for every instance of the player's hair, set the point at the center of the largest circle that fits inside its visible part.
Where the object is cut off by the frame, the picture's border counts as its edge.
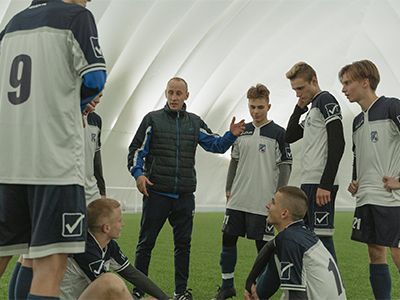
(303, 70)
(259, 91)
(362, 69)
(295, 200)
(179, 79)
(98, 210)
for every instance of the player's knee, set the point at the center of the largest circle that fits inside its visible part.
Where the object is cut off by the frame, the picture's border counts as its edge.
(377, 254)
(113, 285)
(396, 257)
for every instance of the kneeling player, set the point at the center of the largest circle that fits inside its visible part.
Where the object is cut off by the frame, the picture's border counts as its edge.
(87, 275)
(297, 260)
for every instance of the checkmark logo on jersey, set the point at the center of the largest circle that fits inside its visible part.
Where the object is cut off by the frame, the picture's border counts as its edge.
(96, 267)
(332, 109)
(321, 218)
(285, 270)
(94, 41)
(72, 224)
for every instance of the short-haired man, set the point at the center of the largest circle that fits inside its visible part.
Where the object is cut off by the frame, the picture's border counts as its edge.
(298, 262)
(260, 163)
(87, 275)
(162, 160)
(323, 146)
(376, 168)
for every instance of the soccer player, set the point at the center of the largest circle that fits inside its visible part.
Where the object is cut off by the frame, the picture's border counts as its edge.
(376, 167)
(87, 275)
(323, 146)
(161, 159)
(260, 163)
(52, 68)
(298, 262)
(95, 186)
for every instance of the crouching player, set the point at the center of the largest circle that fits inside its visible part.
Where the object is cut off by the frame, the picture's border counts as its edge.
(297, 260)
(87, 275)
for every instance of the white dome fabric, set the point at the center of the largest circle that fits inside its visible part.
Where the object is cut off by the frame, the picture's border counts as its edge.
(222, 47)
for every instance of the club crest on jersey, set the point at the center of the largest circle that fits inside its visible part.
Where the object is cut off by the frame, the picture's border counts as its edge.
(72, 224)
(332, 109)
(374, 136)
(262, 147)
(96, 47)
(321, 218)
(285, 270)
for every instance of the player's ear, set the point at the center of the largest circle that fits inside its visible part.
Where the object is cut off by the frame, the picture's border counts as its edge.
(105, 228)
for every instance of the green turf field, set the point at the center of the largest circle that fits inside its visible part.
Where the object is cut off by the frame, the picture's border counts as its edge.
(206, 245)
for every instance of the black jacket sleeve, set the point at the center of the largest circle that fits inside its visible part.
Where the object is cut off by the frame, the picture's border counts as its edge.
(294, 131)
(335, 152)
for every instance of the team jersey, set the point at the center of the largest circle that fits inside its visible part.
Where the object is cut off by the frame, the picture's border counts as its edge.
(376, 146)
(304, 264)
(324, 109)
(44, 52)
(84, 268)
(92, 145)
(259, 151)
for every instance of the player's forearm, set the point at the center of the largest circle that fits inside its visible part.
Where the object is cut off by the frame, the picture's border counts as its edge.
(260, 263)
(98, 173)
(142, 282)
(294, 131)
(284, 174)
(335, 146)
(231, 174)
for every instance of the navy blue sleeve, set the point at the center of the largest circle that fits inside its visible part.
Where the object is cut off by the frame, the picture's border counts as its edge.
(268, 282)
(119, 261)
(139, 147)
(294, 131)
(84, 30)
(394, 112)
(284, 147)
(291, 264)
(329, 107)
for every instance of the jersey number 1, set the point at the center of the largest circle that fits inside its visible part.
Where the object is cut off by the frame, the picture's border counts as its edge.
(20, 78)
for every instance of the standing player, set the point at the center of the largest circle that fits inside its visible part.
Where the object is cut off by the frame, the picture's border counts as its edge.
(50, 62)
(260, 163)
(88, 274)
(94, 181)
(323, 146)
(161, 159)
(376, 167)
(298, 262)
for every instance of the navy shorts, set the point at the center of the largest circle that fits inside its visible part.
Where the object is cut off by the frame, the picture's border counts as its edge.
(252, 226)
(320, 219)
(41, 220)
(374, 224)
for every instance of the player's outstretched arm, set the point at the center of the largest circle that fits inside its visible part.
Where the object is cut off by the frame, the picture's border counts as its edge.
(142, 282)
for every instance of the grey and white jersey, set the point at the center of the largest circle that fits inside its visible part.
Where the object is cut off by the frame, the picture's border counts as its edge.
(44, 52)
(376, 146)
(92, 145)
(304, 264)
(324, 109)
(259, 151)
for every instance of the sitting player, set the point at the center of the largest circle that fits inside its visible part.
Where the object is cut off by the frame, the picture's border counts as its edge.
(87, 275)
(297, 260)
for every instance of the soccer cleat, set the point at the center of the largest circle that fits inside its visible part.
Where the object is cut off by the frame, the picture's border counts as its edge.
(186, 295)
(225, 293)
